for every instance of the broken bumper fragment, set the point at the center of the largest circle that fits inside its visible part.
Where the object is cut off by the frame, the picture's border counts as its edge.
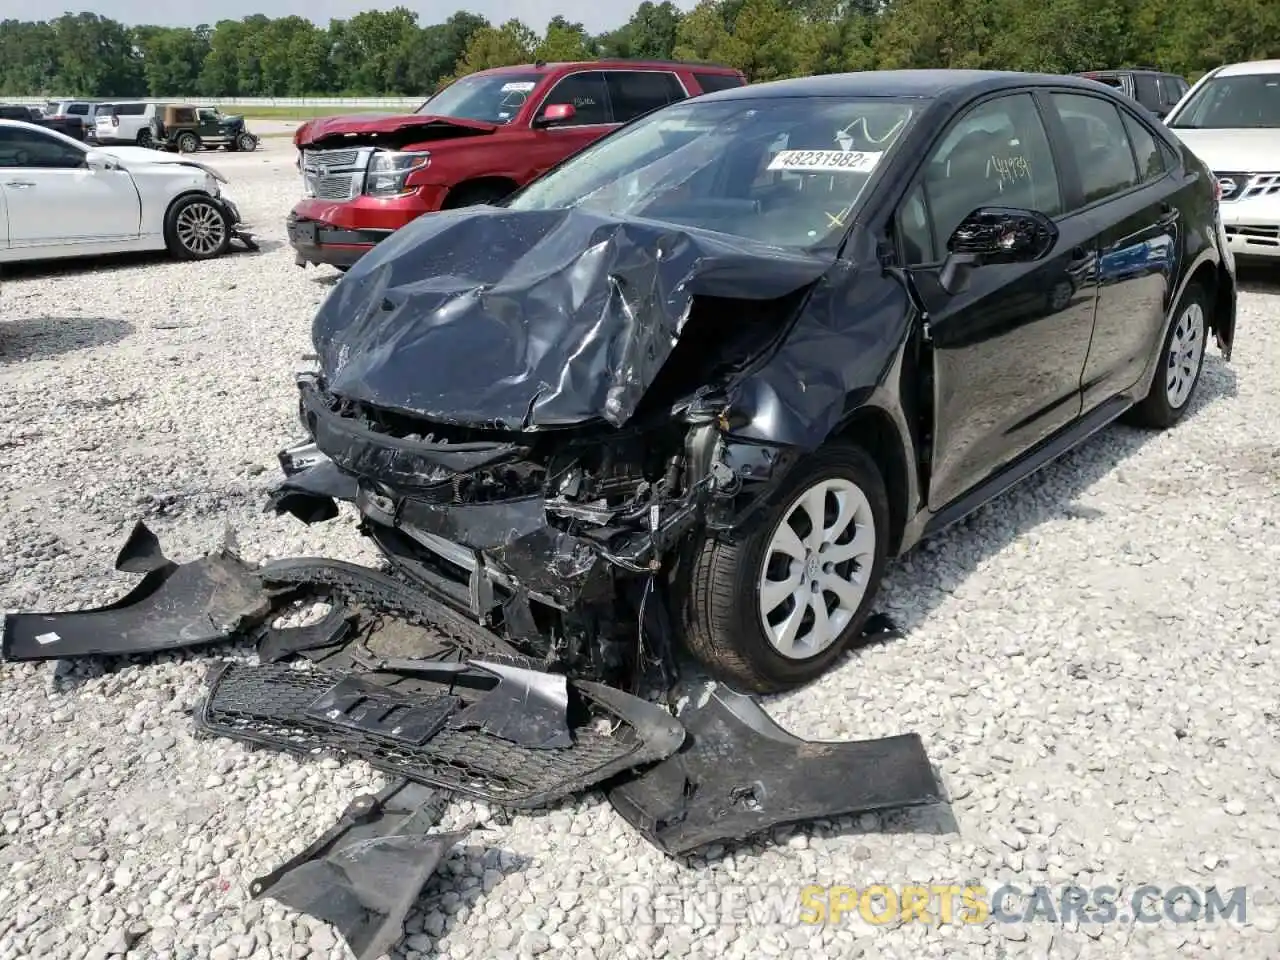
(740, 774)
(315, 711)
(174, 606)
(365, 873)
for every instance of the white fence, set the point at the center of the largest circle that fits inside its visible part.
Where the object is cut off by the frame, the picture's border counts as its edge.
(390, 103)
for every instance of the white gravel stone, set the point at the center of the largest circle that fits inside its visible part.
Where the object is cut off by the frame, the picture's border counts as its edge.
(1088, 661)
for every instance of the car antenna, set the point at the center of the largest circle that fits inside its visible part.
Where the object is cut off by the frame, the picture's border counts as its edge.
(539, 63)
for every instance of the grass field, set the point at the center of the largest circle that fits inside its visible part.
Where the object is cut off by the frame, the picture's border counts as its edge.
(299, 113)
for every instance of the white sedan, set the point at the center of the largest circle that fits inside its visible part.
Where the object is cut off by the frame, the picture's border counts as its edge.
(61, 198)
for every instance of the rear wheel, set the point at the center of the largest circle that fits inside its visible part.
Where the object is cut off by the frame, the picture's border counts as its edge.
(144, 138)
(775, 610)
(188, 143)
(196, 228)
(1179, 365)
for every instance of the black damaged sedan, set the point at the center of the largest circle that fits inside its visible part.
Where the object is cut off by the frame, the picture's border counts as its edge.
(692, 388)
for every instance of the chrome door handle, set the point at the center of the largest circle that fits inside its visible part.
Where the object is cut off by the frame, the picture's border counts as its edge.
(20, 184)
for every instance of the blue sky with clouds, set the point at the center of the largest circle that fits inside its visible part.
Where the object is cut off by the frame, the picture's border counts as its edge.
(596, 15)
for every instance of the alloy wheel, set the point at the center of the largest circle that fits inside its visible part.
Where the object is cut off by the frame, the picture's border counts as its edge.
(1186, 348)
(817, 568)
(201, 228)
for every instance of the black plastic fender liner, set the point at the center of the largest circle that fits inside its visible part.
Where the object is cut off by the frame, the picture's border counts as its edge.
(364, 873)
(272, 706)
(740, 773)
(175, 606)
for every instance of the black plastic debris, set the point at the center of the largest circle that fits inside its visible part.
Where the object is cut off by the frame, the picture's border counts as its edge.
(335, 630)
(527, 707)
(175, 606)
(275, 706)
(311, 487)
(365, 873)
(740, 773)
(382, 595)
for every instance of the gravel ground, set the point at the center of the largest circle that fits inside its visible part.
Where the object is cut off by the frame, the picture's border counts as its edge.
(1088, 661)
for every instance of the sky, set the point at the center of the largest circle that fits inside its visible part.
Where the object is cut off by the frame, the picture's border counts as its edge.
(596, 15)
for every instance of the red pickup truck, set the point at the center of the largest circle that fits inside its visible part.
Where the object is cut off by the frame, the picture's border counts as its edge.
(476, 141)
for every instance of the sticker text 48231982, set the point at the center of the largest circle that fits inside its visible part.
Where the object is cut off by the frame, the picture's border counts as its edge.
(824, 161)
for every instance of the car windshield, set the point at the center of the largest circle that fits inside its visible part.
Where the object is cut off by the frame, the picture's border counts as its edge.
(1246, 101)
(494, 98)
(789, 172)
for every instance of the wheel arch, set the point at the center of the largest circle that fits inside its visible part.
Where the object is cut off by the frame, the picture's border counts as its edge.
(875, 430)
(503, 183)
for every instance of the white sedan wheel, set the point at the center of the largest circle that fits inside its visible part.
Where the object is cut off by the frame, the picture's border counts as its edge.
(201, 228)
(817, 568)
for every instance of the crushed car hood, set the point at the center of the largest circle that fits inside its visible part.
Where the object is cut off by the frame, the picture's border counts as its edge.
(489, 317)
(324, 128)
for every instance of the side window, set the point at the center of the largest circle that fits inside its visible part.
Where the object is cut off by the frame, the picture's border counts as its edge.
(78, 110)
(1147, 94)
(633, 92)
(131, 109)
(1098, 140)
(997, 154)
(588, 95)
(1172, 89)
(32, 149)
(1145, 150)
(711, 82)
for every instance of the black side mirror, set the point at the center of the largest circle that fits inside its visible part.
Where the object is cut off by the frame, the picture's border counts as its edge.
(995, 235)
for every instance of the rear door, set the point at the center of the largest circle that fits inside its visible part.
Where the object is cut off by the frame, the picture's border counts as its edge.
(633, 93)
(1118, 181)
(1009, 350)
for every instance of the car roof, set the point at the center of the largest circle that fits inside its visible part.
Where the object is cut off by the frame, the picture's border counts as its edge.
(609, 64)
(1245, 69)
(923, 84)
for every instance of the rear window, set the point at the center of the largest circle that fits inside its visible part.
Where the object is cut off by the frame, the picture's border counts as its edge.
(711, 82)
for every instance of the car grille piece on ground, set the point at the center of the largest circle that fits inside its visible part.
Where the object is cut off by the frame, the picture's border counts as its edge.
(274, 706)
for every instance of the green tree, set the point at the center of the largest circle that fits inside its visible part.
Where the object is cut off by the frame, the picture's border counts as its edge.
(507, 45)
(564, 42)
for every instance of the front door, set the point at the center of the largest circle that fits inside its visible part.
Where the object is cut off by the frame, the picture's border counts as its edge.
(53, 198)
(1008, 351)
(587, 92)
(1127, 193)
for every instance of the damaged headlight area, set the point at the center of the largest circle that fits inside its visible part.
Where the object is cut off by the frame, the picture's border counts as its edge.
(560, 539)
(390, 169)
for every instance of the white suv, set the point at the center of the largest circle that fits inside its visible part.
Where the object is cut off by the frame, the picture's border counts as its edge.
(1231, 120)
(127, 122)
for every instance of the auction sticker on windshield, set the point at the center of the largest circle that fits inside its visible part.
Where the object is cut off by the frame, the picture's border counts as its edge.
(825, 161)
(518, 86)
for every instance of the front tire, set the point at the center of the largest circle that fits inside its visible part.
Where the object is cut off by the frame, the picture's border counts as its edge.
(246, 142)
(470, 195)
(196, 228)
(1179, 365)
(776, 610)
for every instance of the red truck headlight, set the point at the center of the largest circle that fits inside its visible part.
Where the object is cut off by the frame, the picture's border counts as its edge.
(389, 170)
